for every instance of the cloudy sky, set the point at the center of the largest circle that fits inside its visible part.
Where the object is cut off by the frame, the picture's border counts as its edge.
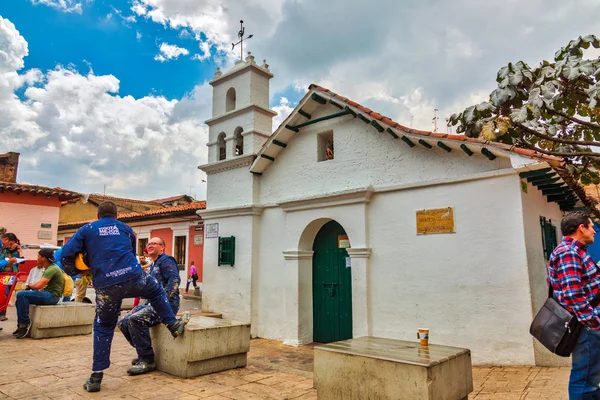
(114, 93)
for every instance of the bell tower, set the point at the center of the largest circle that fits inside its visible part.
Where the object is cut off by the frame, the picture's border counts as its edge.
(241, 119)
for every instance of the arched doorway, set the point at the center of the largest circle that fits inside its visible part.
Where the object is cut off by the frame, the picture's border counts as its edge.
(332, 286)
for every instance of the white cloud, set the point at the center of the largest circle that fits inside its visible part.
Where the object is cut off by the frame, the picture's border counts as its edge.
(138, 35)
(77, 132)
(204, 52)
(283, 110)
(70, 6)
(170, 52)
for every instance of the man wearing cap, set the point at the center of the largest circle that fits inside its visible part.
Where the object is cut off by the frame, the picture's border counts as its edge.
(47, 290)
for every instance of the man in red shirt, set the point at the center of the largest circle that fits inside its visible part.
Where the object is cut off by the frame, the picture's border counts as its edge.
(575, 281)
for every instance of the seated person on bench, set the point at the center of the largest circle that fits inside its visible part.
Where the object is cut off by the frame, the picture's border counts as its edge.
(136, 324)
(47, 291)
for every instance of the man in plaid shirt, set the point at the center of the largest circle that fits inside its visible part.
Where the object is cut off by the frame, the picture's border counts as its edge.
(575, 281)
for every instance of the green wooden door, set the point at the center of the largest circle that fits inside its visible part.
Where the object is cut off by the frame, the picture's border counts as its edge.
(332, 287)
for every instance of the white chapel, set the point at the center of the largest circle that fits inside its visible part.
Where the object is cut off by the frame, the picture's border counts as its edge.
(342, 223)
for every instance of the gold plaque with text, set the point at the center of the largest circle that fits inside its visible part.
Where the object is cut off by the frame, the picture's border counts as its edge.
(437, 220)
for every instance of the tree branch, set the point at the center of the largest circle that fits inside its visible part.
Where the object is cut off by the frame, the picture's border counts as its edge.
(590, 125)
(560, 154)
(555, 139)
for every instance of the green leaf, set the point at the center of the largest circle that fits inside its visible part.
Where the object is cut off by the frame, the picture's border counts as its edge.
(503, 73)
(515, 78)
(469, 114)
(519, 115)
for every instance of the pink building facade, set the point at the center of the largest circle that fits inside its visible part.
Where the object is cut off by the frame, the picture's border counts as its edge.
(31, 212)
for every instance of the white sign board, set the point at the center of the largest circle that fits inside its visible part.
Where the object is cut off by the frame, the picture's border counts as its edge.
(44, 235)
(211, 231)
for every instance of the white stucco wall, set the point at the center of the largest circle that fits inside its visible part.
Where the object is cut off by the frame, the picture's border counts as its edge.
(227, 289)
(230, 188)
(469, 288)
(536, 205)
(363, 157)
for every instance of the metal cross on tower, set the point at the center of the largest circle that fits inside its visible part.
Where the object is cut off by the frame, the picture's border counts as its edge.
(241, 41)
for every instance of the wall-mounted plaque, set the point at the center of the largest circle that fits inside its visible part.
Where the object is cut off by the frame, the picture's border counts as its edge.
(45, 235)
(343, 242)
(211, 231)
(436, 220)
(198, 240)
(45, 225)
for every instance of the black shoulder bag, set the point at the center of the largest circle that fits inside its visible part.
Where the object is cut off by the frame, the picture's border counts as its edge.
(556, 328)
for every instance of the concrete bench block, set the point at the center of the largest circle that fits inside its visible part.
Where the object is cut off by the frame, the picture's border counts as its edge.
(208, 345)
(377, 368)
(67, 319)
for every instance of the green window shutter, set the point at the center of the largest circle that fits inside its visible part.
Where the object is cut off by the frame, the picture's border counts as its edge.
(227, 250)
(549, 241)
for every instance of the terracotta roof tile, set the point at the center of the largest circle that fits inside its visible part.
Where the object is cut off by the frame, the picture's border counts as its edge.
(388, 121)
(169, 199)
(62, 194)
(460, 138)
(101, 197)
(376, 115)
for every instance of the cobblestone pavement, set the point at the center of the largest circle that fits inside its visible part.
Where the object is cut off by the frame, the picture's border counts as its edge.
(56, 369)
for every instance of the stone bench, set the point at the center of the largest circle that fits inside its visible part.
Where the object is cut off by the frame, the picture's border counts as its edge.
(63, 319)
(376, 368)
(208, 345)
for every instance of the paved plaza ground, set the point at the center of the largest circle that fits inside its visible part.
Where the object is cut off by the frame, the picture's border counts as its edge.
(56, 369)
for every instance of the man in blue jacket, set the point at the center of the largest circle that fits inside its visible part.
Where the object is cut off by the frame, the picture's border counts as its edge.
(136, 324)
(117, 274)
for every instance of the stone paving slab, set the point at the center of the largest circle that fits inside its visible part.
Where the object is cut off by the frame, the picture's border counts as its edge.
(56, 368)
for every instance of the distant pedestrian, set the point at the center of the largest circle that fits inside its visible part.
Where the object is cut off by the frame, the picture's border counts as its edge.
(117, 274)
(192, 277)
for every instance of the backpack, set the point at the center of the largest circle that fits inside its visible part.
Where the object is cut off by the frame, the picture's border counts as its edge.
(69, 285)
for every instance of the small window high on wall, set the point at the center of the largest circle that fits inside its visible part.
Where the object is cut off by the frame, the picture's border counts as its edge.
(230, 102)
(325, 146)
(239, 141)
(221, 146)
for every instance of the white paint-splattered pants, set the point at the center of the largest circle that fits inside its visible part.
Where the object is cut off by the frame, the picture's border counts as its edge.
(108, 306)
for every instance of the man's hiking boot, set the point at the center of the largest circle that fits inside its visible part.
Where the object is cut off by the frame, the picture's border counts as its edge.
(92, 384)
(141, 367)
(178, 326)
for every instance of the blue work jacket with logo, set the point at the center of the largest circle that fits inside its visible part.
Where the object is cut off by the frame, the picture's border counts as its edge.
(165, 270)
(110, 247)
